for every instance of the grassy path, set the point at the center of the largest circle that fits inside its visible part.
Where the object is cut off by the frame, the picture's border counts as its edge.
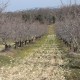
(43, 64)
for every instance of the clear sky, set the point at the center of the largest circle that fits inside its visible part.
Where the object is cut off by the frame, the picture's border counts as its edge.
(15, 5)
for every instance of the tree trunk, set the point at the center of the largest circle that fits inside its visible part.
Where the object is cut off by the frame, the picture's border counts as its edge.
(6, 46)
(25, 42)
(21, 44)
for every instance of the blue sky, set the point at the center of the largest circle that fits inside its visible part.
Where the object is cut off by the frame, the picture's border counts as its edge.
(15, 5)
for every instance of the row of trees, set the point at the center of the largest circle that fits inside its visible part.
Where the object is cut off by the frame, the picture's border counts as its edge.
(68, 25)
(22, 27)
(14, 27)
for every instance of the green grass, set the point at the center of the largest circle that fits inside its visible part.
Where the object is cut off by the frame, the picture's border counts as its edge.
(73, 60)
(75, 75)
(5, 60)
(1, 47)
(73, 66)
(21, 52)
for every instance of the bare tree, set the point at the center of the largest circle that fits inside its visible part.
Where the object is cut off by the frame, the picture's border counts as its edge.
(67, 25)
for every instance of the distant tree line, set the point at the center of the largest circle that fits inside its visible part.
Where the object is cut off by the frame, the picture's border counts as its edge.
(41, 15)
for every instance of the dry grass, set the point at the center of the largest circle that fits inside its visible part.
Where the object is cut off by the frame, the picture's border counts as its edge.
(43, 64)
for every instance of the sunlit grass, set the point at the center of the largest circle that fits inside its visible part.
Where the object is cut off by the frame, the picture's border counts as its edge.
(45, 58)
(25, 51)
(20, 53)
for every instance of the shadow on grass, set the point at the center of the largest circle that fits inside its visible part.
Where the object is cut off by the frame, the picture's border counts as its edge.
(73, 62)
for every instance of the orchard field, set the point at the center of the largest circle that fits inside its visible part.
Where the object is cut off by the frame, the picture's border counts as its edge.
(40, 44)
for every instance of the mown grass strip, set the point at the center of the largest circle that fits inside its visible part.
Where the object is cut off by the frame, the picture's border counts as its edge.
(72, 60)
(25, 51)
(20, 53)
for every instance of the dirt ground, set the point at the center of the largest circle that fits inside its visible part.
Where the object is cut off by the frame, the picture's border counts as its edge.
(43, 64)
